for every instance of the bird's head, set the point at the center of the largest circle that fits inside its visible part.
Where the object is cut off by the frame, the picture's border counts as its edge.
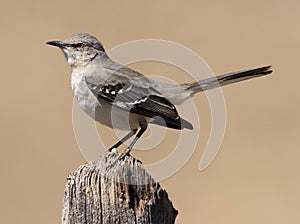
(80, 49)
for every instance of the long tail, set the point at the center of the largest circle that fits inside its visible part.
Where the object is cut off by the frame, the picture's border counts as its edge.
(226, 79)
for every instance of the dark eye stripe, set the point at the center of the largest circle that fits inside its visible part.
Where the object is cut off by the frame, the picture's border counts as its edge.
(78, 45)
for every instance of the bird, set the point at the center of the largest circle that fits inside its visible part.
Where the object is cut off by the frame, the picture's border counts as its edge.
(125, 99)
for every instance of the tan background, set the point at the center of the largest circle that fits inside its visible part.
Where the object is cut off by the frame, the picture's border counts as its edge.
(255, 178)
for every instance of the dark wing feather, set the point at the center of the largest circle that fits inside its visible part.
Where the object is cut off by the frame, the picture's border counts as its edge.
(158, 107)
(137, 97)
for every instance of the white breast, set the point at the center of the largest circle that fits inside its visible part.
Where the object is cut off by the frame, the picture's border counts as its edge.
(87, 101)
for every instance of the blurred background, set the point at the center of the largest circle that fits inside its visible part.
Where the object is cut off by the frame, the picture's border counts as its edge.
(255, 177)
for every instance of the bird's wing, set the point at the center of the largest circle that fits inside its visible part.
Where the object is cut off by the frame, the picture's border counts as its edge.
(136, 95)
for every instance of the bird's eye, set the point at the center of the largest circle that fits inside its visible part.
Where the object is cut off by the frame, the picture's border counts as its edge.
(79, 45)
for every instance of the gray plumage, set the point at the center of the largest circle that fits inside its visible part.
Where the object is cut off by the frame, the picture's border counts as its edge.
(101, 86)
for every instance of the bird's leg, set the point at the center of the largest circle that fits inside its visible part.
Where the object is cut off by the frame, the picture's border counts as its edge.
(124, 139)
(143, 125)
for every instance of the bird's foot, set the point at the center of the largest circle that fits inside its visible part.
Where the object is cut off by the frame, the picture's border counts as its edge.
(112, 150)
(125, 153)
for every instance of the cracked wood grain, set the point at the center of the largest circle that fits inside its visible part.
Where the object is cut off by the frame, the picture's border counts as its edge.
(112, 190)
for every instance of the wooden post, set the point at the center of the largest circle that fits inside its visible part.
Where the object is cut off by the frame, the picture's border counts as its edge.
(113, 190)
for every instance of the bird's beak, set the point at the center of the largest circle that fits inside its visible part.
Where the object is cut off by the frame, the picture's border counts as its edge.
(55, 43)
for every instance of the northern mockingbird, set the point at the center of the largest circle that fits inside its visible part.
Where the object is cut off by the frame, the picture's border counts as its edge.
(101, 85)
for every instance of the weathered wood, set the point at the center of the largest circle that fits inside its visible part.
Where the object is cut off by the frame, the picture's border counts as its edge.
(113, 190)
